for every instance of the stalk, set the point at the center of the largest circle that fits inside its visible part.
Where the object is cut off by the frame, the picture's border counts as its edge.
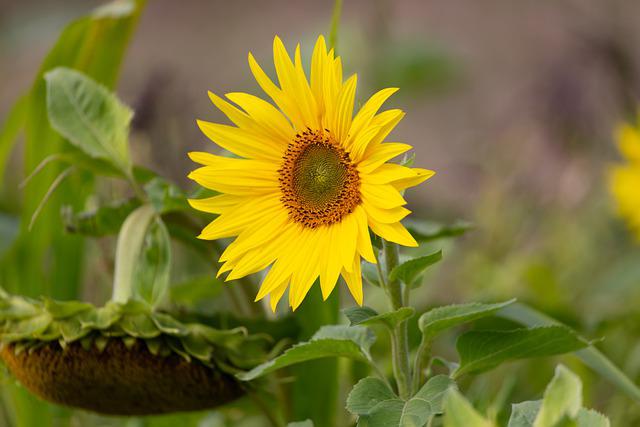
(398, 298)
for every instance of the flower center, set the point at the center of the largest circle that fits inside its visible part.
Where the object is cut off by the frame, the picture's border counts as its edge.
(319, 183)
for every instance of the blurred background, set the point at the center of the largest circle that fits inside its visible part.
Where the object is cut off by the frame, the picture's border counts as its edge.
(513, 104)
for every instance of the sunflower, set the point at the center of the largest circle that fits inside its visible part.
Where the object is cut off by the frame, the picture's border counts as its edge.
(624, 179)
(308, 179)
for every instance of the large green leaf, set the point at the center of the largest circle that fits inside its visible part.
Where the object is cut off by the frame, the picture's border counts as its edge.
(305, 423)
(372, 400)
(408, 271)
(591, 356)
(458, 412)
(483, 350)
(88, 115)
(440, 319)
(11, 127)
(352, 342)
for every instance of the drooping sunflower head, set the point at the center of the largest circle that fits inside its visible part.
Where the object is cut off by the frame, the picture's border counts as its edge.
(624, 178)
(308, 181)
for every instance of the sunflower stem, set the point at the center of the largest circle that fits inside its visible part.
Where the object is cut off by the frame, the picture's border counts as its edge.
(399, 334)
(335, 24)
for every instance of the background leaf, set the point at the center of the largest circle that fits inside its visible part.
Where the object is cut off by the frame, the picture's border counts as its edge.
(458, 412)
(483, 350)
(89, 116)
(562, 399)
(591, 356)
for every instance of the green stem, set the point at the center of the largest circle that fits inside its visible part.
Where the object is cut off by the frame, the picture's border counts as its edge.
(423, 353)
(399, 334)
(335, 23)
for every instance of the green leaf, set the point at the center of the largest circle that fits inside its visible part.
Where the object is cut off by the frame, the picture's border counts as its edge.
(103, 221)
(352, 342)
(143, 257)
(409, 271)
(367, 316)
(152, 272)
(366, 394)
(439, 319)
(305, 423)
(458, 412)
(591, 418)
(89, 116)
(63, 309)
(357, 315)
(10, 129)
(523, 414)
(425, 232)
(591, 356)
(372, 400)
(483, 350)
(9, 227)
(562, 399)
(166, 196)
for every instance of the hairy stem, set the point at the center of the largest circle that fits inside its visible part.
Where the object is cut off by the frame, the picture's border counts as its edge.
(399, 334)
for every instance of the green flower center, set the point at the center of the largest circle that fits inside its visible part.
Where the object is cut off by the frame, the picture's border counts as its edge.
(318, 175)
(320, 184)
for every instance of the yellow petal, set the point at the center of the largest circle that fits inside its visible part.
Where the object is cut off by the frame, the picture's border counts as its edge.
(365, 249)
(281, 99)
(266, 115)
(235, 220)
(362, 120)
(383, 196)
(354, 280)
(240, 142)
(394, 232)
(329, 274)
(276, 295)
(628, 138)
(386, 216)
(216, 204)
(342, 114)
(381, 153)
(389, 172)
(421, 175)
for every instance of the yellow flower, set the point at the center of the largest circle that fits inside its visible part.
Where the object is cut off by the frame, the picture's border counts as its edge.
(309, 179)
(624, 179)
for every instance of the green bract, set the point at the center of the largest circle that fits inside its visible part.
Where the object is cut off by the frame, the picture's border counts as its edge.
(29, 324)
